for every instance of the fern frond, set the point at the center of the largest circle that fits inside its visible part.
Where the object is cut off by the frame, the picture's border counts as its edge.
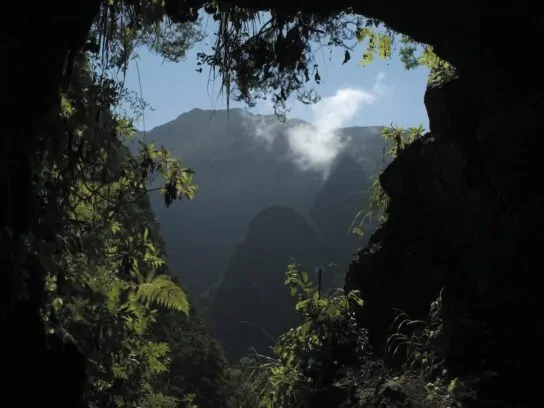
(163, 291)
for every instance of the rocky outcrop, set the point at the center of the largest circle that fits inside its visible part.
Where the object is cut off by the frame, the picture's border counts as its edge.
(465, 216)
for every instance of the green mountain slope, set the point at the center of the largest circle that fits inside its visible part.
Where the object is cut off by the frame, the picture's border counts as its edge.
(239, 175)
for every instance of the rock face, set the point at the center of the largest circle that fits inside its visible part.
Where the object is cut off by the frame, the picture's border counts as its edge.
(465, 215)
(252, 306)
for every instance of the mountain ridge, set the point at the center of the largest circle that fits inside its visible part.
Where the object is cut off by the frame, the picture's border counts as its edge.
(239, 173)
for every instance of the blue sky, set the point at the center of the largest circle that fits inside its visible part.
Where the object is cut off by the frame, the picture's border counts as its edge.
(379, 94)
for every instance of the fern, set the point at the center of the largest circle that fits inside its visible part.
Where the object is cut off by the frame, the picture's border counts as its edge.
(163, 291)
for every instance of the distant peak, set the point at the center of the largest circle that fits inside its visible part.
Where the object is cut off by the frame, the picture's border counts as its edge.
(276, 217)
(230, 111)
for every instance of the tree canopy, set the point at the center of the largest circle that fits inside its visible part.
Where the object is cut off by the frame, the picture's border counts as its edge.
(261, 49)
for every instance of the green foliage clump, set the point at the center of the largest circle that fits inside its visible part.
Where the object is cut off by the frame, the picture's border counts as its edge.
(415, 343)
(440, 71)
(258, 53)
(381, 41)
(398, 139)
(417, 340)
(272, 56)
(107, 279)
(198, 373)
(305, 357)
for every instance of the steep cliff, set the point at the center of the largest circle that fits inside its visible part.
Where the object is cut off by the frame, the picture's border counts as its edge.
(251, 306)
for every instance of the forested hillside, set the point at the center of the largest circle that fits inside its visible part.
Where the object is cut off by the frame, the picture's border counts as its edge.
(239, 174)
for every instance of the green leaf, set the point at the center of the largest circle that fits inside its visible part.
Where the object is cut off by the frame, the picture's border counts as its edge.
(57, 303)
(367, 58)
(384, 46)
(115, 228)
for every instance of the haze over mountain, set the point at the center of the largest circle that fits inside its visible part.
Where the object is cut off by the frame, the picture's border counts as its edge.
(245, 163)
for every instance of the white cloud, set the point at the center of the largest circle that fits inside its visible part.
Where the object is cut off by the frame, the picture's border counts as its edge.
(261, 124)
(265, 129)
(314, 146)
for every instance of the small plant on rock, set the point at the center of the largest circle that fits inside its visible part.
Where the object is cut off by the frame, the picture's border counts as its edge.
(418, 339)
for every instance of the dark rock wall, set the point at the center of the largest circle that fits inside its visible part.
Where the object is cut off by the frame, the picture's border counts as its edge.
(466, 215)
(33, 365)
